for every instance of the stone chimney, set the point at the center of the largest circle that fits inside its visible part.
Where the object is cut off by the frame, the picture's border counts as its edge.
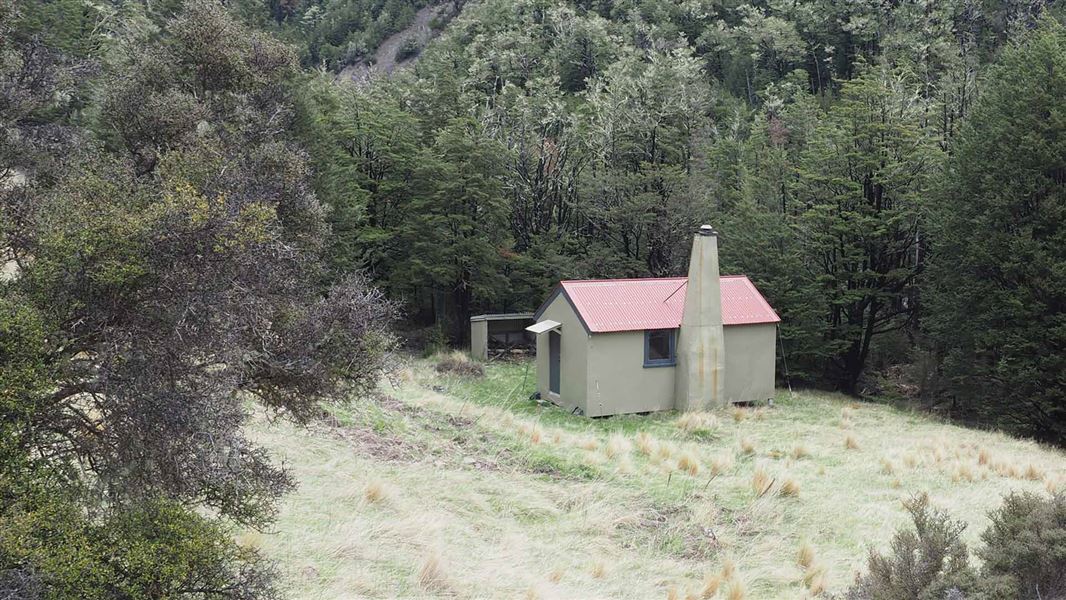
(701, 343)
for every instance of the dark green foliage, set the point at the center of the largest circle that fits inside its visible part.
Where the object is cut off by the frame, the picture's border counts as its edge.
(50, 549)
(996, 290)
(1023, 556)
(929, 562)
(1024, 551)
(165, 268)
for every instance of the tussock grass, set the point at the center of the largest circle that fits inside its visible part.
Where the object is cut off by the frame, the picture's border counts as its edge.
(984, 456)
(850, 443)
(711, 583)
(688, 463)
(598, 570)
(736, 590)
(789, 488)
(806, 555)
(646, 444)
(761, 482)
(506, 515)
(739, 414)
(747, 446)
(799, 452)
(887, 466)
(1033, 473)
(431, 573)
(720, 464)
(697, 422)
(618, 445)
(729, 569)
(589, 443)
(458, 363)
(376, 492)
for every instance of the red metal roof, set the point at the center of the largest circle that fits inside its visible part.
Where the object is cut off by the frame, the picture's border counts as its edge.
(630, 304)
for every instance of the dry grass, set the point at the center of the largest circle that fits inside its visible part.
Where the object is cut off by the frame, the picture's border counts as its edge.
(505, 515)
(736, 590)
(984, 457)
(739, 414)
(696, 422)
(888, 467)
(850, 443)
(729, 569)
(806, 555)
(688, 463)
(790, 488)
(963, 472)
(747, 446)
(711, 583)
(761, 482)
(720, 464)
(1033, 473)
(910, 460)
(431, 573)
(618, 445)
(375, 491)
(589, 443)
(817, 585)
(598, 569)
(799, 452)
(646, 444)
(458, 363)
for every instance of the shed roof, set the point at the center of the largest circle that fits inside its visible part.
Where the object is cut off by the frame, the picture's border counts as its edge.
(501, 317)
(606, 305)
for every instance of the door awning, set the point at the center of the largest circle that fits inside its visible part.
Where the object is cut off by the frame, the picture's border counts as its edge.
(544, 326)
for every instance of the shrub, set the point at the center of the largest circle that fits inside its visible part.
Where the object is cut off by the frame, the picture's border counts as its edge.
(1025, 548)
(926, 562)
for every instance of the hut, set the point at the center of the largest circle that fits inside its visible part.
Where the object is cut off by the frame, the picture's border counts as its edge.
(614, 346)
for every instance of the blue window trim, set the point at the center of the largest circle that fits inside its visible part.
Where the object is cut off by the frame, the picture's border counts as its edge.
(660, 362)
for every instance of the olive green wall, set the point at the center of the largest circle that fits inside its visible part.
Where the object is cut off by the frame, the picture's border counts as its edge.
(604, 374)
(618, 381)
(573, 357)
(750, 352)
(479, 340)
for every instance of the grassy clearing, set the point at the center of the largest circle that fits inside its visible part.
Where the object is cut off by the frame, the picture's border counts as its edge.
(457, 486)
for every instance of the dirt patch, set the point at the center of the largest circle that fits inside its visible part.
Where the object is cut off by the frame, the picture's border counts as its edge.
(384, 447)
(384, 61)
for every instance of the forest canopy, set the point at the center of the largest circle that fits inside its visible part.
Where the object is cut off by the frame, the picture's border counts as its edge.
(199, 214)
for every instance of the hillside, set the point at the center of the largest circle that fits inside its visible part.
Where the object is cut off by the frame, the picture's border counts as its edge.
(461, 487)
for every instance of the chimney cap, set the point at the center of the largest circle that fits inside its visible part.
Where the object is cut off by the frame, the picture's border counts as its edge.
(707, 230)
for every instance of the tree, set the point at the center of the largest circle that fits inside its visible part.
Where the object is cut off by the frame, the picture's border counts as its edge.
(161, 282)
(859, 190)
(996, 289)
(456, 232)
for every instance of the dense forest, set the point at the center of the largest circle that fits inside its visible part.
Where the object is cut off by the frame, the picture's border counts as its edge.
(195, 210)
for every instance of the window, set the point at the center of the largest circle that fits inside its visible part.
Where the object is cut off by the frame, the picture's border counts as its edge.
(660, 347)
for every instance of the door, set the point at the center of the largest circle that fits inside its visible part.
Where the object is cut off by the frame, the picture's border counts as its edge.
(554, 361)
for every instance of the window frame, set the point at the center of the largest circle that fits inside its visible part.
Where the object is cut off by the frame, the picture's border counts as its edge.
(660, 362)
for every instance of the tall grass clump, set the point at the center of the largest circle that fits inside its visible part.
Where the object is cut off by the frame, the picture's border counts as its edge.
(761, 482)
(458, 363)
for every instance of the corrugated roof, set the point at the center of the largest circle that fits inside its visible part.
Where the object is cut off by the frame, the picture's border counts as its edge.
(606, 305)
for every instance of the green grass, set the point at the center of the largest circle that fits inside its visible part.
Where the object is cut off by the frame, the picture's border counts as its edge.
(503, 493)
